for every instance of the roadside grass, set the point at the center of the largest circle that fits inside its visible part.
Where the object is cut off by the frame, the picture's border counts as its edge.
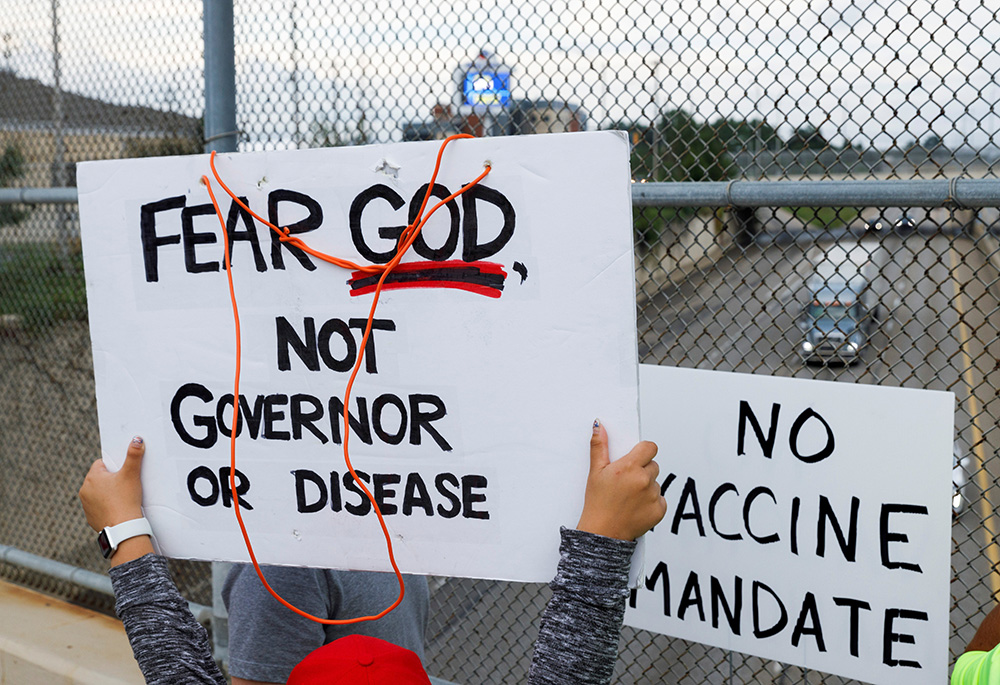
(42, 284)
(824, 217)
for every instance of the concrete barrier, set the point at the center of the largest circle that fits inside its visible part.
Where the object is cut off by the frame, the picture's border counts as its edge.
(682, 249)
(45, 641)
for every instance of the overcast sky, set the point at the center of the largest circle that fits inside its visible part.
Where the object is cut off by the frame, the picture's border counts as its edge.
(859, 69)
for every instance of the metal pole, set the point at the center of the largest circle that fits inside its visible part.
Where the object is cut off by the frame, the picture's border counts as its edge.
(220, 135)
(78, 576)
(59, 141)
(969, 193)
(220, 76)
(296, 94)
(963, 192)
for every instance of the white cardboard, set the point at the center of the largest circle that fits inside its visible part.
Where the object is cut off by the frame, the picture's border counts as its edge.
(520, 377)
(891, 446)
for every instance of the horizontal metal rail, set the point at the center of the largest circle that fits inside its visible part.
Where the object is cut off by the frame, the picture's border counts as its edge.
(78, 576)
(38, 196)
(956, 192)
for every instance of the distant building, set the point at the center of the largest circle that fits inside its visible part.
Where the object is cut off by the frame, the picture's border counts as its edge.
(521, 117)
(482, 105)
(546, 116)
(90, 129)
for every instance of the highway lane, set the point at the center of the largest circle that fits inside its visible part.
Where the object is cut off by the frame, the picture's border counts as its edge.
(940, 334)
(740, 316)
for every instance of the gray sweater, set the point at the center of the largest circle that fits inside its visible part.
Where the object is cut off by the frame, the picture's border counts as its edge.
(577, 640)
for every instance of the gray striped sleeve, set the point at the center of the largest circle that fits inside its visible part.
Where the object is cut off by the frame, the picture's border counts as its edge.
(170, 646)
(578, 637)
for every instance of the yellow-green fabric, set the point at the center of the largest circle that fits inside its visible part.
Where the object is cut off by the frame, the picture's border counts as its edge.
(977, 668)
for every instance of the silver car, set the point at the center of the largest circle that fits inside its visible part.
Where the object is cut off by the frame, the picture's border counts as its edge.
(961, 472)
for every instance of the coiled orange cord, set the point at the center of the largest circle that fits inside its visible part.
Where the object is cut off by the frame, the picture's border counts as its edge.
(406, 239)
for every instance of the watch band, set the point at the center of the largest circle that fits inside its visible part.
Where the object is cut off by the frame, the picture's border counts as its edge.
(112, 536)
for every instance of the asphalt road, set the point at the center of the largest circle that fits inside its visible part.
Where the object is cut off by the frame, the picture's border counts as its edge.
(740, 315)
(940, 333)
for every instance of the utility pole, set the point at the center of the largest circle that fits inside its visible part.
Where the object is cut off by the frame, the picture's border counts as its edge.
(58, 141)
(220, 76)
(296, 93)
(221, 136)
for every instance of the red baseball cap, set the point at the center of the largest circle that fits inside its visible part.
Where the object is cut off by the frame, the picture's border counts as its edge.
(360, 660)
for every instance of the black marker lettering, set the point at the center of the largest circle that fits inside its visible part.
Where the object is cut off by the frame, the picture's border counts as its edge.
(359, 424)
(377, 325)
(383, 492)
(811, 613)
(660, 571)
(886, 536)
(344, 335)
(472, 250)
(415, 495)
(303, 505)
(363, 506)
(377, 419)
(889, 636)
(440, 482)
(203, 473)
(210, 434)
(793, 438)
(305, 349)
(303, 418)
(312, 221)
(688, 494)
(470, 497)
(691, 596)
(751, 498)
(423, 419)
(242, 487)
(713, 502)
(192, 239)
(766, 443)
(778, 625)
(273, 415)
(151, 242)
(848, 546)
(719, 599)
(392, 233)
(248, 234)
(855, 606)
(451, 241)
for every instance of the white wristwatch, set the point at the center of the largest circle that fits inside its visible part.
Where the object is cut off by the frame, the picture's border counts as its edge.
(112, 536)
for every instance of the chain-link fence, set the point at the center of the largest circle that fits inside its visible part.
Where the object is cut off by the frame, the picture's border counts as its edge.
(711, 91)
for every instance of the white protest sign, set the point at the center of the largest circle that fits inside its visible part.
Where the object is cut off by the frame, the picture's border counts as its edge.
(807, 522)
(510, 329)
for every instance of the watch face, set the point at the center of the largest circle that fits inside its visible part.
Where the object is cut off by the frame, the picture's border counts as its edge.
(104, 544)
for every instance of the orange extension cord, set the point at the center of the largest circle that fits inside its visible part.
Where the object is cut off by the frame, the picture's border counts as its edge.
(405, 241)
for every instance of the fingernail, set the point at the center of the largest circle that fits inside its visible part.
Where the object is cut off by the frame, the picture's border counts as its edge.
(137, 440)
(597, 425)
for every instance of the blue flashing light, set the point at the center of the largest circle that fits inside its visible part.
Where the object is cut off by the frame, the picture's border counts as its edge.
(487, 88)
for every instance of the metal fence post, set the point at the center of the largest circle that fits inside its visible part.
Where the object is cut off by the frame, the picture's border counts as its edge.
(220, 135)
(220, 77)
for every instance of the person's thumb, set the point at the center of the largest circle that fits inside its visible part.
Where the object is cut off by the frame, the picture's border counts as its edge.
(599, 448)
(133, 457)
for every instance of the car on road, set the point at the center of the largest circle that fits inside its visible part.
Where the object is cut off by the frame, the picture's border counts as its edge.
(961, 472)
(841, 313)
(904, 224)
(836, 325)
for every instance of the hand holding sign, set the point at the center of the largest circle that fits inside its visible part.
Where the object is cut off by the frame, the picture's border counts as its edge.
(110, 498)
(456, 364)
(623, 498)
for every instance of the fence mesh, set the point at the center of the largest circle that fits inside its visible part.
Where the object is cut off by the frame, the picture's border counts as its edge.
(716, 90)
